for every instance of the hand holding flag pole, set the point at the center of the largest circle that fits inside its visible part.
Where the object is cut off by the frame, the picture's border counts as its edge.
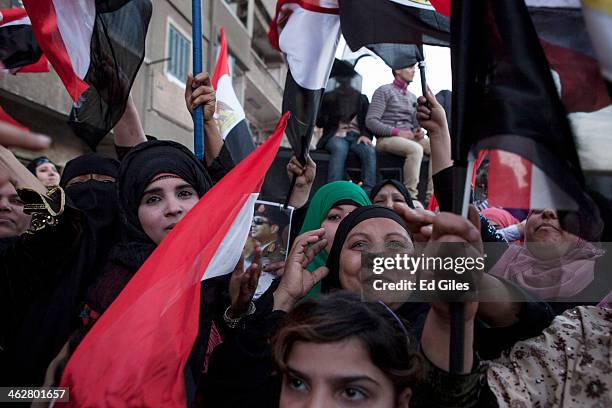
(456, 309)
(198, 114)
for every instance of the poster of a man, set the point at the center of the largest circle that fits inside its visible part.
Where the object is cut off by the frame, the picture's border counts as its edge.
(270, 231)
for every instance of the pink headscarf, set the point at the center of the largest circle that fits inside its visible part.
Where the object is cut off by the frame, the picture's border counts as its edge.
(556, 278)
(501, 217)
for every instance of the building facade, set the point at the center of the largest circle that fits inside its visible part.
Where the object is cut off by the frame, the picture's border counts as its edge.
(41, 103)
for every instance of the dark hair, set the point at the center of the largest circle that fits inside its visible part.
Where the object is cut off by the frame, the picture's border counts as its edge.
(34, 163)
(342, 315)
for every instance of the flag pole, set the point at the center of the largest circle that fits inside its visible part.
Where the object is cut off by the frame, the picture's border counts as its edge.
(198, 114)
(457, 310)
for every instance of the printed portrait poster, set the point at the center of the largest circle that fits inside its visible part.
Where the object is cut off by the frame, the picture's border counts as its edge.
(270, 231)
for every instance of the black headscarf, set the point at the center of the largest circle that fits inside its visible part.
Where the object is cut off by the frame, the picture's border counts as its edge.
(54, 316)
(91, 163)
(399, 186)
(138, 168)
(358, 215)
(34, 163)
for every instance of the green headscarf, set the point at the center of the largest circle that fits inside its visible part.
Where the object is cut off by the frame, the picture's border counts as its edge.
(323, 201)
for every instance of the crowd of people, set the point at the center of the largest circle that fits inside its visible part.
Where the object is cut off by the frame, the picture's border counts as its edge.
(69, 244)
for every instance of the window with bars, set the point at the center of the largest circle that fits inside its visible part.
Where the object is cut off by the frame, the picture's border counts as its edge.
(179, 52)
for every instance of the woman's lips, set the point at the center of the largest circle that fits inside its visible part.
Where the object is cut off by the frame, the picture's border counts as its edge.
(546, 225)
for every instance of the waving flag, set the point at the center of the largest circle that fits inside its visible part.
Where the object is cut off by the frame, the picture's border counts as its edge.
(505, 98)
(307, 32)
(135, 354)
(229, 114)
(96, 48)
(19, 51)
(404, 22)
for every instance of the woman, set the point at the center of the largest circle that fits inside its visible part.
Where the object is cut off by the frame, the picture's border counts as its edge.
(330, 204)
(45, 170)
(554, 264)
(391, 192)
(376, 229)
(88, 182)
(158, 183)
(375, 364)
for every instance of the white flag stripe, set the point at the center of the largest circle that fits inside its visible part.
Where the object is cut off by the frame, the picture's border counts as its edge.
(418, 4)
(553, 3)
(228, 253)
(230, 115)
(21, 21)
(599, 25)
(75, 21)
(546, 194)
(592, 132)
(309, 42)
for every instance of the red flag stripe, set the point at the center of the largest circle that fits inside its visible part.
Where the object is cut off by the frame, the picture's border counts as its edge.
(281, 16)
(42, 65)
(12, 14)
(442, 6)
(5, 117)
(222, 67)
(43, 16)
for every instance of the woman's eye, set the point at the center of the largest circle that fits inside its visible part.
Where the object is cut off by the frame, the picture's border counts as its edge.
(360, 246)
(153, 200)
(354, 394)
(296, 384)
(333, 217)
(185, 194)
(399, 200)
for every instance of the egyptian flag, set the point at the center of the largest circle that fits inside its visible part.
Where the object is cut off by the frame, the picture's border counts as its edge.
(96, 47)
(505, 98)
(307, 32)
(229, 113)
(136, 353)
(576, 71)
(19, 51)
(368, 23)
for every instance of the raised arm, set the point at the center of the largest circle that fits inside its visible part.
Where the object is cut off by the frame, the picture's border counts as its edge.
(435, 340)
(433, 118)
(128, 131)
(305, 175)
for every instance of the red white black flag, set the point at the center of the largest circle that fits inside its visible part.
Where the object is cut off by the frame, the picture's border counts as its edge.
(307, 32)
(19, 51)
(230, 114)
(505, 99)
(96, 47)
(136, 353)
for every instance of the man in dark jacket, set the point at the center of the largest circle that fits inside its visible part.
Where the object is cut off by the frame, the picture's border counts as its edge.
(342, 117)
